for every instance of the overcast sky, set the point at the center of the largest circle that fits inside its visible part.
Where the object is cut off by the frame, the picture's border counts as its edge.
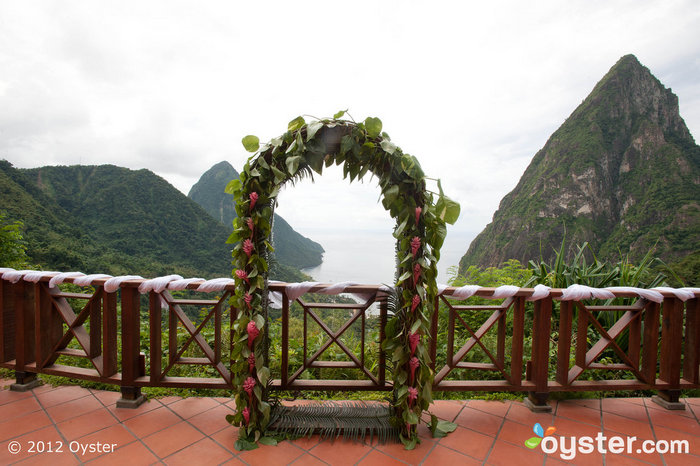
(472, 89)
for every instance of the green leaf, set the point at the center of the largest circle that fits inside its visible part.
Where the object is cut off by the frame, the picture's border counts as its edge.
(533, 442)
(340, 114)
(244, 445)
(233, 186)
(296, 124)
(292, 163)
(230, 418)
(311, 130)
(268, 441)
(388, 146)
(447, 210)
(373, 126)
(251, 143)
(443, 428)
(264, 375)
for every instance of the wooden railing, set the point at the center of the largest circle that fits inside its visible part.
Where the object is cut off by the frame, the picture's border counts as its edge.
(537, 347)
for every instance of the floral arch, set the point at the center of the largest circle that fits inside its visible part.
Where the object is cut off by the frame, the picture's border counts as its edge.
(421, 216)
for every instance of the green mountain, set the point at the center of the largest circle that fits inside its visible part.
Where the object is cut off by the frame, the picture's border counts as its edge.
(291, 248)
(622, 172)
(108, 219)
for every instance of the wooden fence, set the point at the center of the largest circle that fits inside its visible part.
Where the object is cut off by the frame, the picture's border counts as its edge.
(538, 347)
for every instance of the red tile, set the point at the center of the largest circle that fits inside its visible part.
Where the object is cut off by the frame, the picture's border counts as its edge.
(377, 458)
(625, 408)
(282, 453)
(570, 428)
(518, 412)
(203, 452)
(468, 442)
(479, 421)
(415, 456)
(307, 459)
(306, 443)
(174, 438)
(71, 409)
(133, 454)
(41, 440)
(504, 453)
(12, 428)
(188, 407)
(106, 397)
(20, 408)
(61, 395)
(152, 421)
(674, 420)
(226, 438)
(65, 458)
(497, 408)
(340, 453)
(681, 460)
(579, 413)
(103, 442)
(442, 456)
(86, 424)
(166, 400)
(515, 433)
(446, 409)
(626, 426)
(127, 413)
(213, 420)
(8, 396)
(669, 435)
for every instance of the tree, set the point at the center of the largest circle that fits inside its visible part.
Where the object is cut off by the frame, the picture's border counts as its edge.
(12, 249)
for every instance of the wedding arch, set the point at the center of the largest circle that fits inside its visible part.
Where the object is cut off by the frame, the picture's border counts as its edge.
(421, 216)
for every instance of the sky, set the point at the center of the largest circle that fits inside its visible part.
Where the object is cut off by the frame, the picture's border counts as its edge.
(473, 90)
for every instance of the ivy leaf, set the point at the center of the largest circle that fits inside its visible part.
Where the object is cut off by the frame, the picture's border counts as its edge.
(388, 146)
(373, 126)
(340, 114)
(264, 375)
(311, 130)
(293, 163)
(233, 186)
(251, 143)
(243, 445)
(441, 428)
(268, 441)
(296, 124)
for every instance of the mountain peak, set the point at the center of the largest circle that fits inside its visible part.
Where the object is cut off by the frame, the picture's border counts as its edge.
(620, 173)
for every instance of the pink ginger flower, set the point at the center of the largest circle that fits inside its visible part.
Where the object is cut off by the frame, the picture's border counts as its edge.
(246, 415)
(253, 199)
(248, 386)
(413, 364)
(251, 362)
(415, 245)
(412, 395)
(251, 225)
(248, 247)
(253, 333)
(247, 298)
(242, 275)
(416, 273)
(415, 303)
(418, 212)
(413, 340)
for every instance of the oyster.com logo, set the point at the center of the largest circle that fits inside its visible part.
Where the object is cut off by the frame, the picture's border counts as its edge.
(534, 442)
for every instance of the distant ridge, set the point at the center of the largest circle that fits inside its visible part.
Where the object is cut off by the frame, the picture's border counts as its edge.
(291, 248)
(622, 172)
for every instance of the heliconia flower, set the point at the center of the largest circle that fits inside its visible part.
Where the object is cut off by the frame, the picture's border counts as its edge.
(413, 340)
(246, 415)
(247, 298)
(415, 245)
(248, 386)
(418, 212)
(415, 303)
(253, 333)
(251, 362)
(242, 275)
(251, 225)
(248, 247)
(413, 364)
(412, 395)
(253, 199)
(416, 273)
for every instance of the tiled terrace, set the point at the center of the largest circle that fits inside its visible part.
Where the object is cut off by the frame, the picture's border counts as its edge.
(174, 430)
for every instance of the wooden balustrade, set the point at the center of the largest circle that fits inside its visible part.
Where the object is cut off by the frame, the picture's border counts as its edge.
(538, 347)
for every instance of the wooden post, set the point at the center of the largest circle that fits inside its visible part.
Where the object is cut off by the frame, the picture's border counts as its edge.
(285, 339)
(650, 343)
(109, 333)
(7, 322)
(24, 337)
(566, 318)
(48, 325)
(516, 355)
(131, 355)
(691, 361)
(383, 308)
(670, 358)
(541, 328)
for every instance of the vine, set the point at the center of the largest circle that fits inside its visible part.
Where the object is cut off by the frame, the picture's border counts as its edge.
(421, 216)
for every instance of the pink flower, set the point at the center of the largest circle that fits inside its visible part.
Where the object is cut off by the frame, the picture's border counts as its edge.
(413, 340)
(242, 275)
(415, 303)
(412, 395)
(253, 333)
(251, 362)
(251, 225)
(248, 247)
(246, 415)
(415, 245)
(418, 212)
(413, 364)
(248, 386)
(253, 199)
(416, 273)
(247, 298)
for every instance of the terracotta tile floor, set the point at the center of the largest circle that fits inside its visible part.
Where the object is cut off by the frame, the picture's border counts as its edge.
(193, 431)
